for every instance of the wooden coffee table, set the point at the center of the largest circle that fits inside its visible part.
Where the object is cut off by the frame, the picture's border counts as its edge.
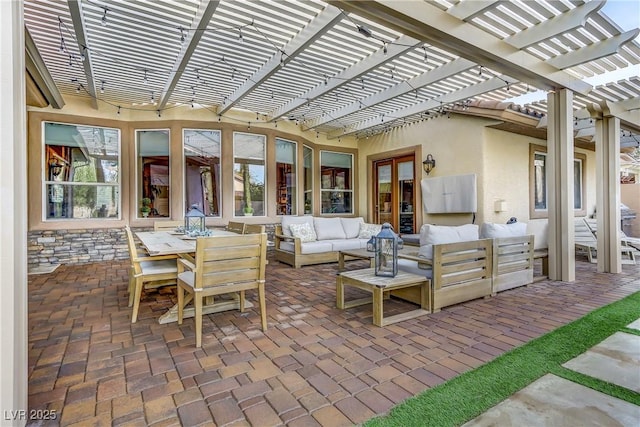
(366, 280)
(355, 253)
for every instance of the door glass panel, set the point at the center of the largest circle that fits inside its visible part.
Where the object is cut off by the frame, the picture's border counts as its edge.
(384, 194)
(405, 199)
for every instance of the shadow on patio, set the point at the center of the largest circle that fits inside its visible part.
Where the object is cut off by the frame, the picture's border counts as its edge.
(315, 365)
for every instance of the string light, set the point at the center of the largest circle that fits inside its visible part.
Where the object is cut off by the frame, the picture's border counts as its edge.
(144, 79)
(182, 37)
(102, 87)
(426, 57)
(118, 112)
(83, 55)
(159, 113)
(103, 21)
(152, 97)
(384, 48)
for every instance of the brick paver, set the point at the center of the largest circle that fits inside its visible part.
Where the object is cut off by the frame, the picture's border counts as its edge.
(315, 365)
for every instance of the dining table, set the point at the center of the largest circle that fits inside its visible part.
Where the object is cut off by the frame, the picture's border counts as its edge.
(184, 246)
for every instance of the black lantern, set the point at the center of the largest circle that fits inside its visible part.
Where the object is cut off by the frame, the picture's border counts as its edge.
(194, 220)
(386, 252)
(371, 244)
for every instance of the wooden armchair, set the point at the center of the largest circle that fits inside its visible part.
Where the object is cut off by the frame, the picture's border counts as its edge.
(512, 262)
(223, 264)
(460, 271)
(147, 271)
(236, 227)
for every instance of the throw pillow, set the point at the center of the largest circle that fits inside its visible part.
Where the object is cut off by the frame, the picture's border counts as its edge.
(490, 230)
(304, 232)
(368, 230)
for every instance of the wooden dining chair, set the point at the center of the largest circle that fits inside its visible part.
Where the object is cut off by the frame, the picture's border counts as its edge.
(167, 225)
(223, 264)
(236, 226)
(253, 229)
(149, 271)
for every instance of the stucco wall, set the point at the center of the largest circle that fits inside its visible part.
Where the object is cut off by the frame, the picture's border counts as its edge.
(456, 143)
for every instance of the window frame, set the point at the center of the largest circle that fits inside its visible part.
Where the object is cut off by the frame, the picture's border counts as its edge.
(295, 193)
(349, 190)
(45, 182)
(579, 158)
(265, 175)
(304, 189)
(186, 203)
(138, 173)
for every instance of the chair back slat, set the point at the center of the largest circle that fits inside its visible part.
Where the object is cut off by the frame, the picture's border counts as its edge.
(224, 260)
(254, 229)
(236, 226)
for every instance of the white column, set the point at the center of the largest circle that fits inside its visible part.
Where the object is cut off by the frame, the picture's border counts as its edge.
(560, 186)
(608, 194)
(13, 217)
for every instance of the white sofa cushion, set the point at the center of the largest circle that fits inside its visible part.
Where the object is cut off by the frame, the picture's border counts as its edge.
(304, 231)
(368, 230)
(351, 226)
(410, 266)
(287, 220)
(329, 228)
(539, 229)
(345, 244)
(159, 267)
(491, 230)
(316, 247)
(438, 234)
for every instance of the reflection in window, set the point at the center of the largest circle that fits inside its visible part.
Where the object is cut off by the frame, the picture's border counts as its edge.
(308, 179)
(540, 181)
(249, 174)
(286, 155)
(202, 170)
(153, 171)
(82, 167)
(336, 182)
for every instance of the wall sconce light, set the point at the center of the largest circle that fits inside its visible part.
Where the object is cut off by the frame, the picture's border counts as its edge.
(55, 168)
(429, 164)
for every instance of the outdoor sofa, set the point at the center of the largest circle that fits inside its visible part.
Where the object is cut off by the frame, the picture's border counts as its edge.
(307, 240)
(466, 262)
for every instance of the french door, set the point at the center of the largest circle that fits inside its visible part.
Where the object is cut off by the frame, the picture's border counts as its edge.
(395, 193)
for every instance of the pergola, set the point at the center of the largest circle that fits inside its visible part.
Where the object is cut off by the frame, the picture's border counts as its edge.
(339, 67)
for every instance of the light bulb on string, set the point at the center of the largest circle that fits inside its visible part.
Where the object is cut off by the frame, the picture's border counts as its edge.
(103, 21)
(144, 78)
(102, 87)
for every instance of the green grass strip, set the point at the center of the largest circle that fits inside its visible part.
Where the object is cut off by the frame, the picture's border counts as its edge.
(468, 395)
(598, 385)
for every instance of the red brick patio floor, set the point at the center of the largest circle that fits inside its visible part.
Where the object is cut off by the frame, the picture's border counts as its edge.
(315, 365)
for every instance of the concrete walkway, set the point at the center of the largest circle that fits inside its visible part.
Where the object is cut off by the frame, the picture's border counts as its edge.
(554, 401)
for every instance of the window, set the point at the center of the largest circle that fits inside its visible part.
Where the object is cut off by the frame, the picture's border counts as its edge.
(539, 189)
(336, 182)
(152, 148)
(202, 170)
(308, 179)
(82, 167)
(249, 174)
(286, 156)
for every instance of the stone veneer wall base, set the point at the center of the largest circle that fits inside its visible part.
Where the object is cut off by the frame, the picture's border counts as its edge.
(50, 247)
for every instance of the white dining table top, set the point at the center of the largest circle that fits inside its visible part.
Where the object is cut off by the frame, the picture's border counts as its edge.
(168, 243)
